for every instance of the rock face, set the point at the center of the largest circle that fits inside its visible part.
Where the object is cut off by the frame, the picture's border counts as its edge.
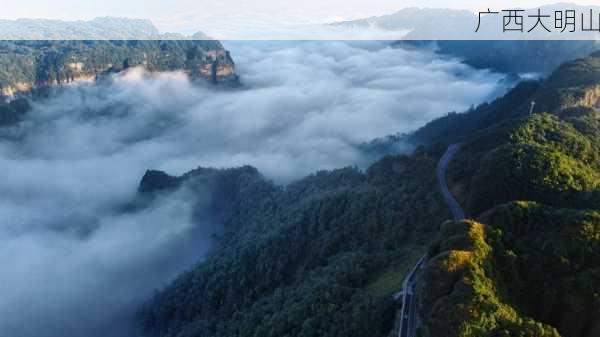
(33, 65)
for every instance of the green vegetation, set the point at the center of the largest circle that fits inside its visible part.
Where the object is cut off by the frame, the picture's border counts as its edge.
(551, 157)
(525, 268)
(532, 270)
(387, 283)
(28, 67)
(33, 64)
(320, 257)
(543, 158)
(571, 85)
(456, 127)
(323, 255)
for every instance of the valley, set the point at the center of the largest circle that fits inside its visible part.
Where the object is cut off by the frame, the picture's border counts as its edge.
(158, 188)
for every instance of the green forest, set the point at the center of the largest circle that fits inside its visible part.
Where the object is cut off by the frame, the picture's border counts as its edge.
(323, 255)
(320, 257)
(529, 265)
(37, 63)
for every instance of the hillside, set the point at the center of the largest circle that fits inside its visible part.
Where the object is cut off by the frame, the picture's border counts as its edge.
(322, 256)
(525, 268)
(570, 92)
(552, 157)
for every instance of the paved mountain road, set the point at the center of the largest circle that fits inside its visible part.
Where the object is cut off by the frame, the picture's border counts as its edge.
(455, 208)
(408, 316)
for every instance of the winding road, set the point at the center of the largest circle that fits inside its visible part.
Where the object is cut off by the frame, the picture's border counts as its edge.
(408, 315)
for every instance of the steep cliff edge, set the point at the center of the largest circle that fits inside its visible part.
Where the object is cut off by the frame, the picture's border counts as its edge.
(27, 66)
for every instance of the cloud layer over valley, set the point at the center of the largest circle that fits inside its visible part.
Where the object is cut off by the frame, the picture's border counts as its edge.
(75, 261)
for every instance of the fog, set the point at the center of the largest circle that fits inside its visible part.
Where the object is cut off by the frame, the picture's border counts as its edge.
(76, 264)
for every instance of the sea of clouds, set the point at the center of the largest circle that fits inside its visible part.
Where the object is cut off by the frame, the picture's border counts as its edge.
(76, 263)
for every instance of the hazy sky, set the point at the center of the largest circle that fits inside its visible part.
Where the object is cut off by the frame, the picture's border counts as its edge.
(188, 16)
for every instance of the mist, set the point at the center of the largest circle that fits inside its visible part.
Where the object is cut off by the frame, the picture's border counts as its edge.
(75, 263)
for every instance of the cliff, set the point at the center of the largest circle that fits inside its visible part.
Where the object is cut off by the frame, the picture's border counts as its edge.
(33, 65)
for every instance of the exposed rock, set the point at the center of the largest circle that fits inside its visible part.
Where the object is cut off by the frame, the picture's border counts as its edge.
(27, 66)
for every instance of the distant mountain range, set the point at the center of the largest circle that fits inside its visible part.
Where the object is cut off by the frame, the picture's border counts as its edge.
(105, 28)
(450, 24)
(418, 22)
(452, 32)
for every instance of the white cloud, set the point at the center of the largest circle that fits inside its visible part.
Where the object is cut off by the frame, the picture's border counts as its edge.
(74, 262)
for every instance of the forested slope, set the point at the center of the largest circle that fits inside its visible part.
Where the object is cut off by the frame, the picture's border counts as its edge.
(523, 270)
(526, 268)
(320, 257)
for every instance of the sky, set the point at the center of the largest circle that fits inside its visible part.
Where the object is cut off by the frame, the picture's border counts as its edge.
(189, 16)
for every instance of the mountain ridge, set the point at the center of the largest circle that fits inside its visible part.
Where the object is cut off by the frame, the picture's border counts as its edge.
(100, 28)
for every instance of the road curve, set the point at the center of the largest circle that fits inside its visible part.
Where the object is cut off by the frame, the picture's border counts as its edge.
(457, 211)
(408, 315)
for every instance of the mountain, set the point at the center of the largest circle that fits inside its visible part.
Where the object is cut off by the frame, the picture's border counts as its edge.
(454, 34)
(320, 256)
(515, 56)
(323, 255)
(104, 28)
(28, 65)
(417, 22)
(36, 54)
(521, 269)
(28, 68)
(451, 24)
(529, 267)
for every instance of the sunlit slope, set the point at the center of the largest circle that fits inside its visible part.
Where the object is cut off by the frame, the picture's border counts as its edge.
(531, 270)
(527, 268)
